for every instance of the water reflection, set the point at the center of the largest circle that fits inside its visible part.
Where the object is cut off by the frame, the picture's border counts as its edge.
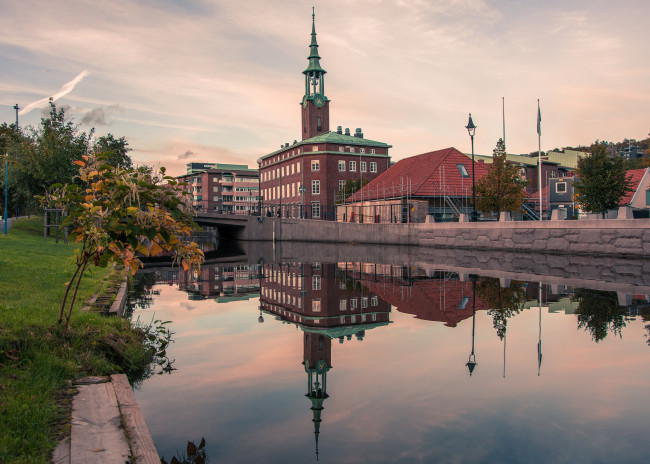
(406, 372)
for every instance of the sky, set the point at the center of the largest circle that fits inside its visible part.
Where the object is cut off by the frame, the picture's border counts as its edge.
(221, 80)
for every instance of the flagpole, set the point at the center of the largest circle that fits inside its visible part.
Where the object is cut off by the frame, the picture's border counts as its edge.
(539, 158)
(503, 109)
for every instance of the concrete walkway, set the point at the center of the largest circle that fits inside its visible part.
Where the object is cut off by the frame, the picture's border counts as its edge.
(107, 426)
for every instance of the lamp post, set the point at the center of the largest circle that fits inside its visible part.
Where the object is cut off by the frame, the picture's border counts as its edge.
(471, 129)
(259, 186)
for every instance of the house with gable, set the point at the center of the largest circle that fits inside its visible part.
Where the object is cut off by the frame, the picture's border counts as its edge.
(436, 184)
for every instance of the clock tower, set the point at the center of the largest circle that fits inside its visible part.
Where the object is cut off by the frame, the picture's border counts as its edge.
(315, 105)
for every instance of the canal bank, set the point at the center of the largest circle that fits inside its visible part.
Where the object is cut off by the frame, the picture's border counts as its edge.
(623, 237)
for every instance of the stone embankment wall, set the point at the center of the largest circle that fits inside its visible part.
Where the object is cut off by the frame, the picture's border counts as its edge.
(600, 237)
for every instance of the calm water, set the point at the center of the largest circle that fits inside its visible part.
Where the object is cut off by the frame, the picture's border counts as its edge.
(360, 362)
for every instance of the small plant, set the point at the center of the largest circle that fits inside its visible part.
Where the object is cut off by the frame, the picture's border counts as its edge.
(195, 455)
(118, 214)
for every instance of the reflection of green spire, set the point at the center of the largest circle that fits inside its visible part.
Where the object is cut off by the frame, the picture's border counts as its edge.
(314, 67)
(317, 394)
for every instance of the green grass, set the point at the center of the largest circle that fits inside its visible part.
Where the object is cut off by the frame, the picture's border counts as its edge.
(38, 358)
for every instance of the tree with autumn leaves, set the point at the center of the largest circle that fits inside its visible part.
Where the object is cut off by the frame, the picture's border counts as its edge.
(503, 187)
(118, 214)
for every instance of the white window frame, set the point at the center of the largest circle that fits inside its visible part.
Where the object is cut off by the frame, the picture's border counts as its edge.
(352, 166)
(315, 187)
(363, 166)
(315, 282)
(315, 165)
(341, 165)
(373, 166)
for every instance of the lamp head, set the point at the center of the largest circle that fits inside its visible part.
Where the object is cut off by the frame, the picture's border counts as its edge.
(471, 128)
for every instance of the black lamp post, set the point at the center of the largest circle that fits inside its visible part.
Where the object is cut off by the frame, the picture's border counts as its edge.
(259, 186)
(471, 129)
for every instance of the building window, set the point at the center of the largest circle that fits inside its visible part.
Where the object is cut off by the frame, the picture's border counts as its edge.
(353, 166)
(351, 149)
(463, 170)
(560, 187)
(319, 124)
(362, 166)
(315, 209)
(341, 149)
(343, 305)
(341, 166)
(315, 187)
(315, 305)
(364, 302)
(362, 150)
(315, 165)
(298, 168)
(353, 303)
(314, 148)
(315, 282)
(372, 151)
(374, 301)
(373, 166)
(553, 174)
(293, 168)
(341, 185)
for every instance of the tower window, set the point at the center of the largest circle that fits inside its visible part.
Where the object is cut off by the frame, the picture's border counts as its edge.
(319, 124)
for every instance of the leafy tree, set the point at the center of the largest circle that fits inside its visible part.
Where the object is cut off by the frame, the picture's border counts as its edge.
(599, 313)
(117, 214)
(502, 188)
(13, 144)
(114, 150)
(601, 181)
(351, 186)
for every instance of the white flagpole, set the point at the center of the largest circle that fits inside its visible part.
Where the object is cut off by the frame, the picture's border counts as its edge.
(539, 157)
(503, 109)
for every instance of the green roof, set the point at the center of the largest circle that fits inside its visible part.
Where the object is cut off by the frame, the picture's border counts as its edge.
(333, 137)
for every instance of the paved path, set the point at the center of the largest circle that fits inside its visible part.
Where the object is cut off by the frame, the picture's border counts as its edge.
(10, 222)
(104, 413)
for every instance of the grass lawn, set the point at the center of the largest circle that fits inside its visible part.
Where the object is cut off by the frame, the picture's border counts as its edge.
(38, 358)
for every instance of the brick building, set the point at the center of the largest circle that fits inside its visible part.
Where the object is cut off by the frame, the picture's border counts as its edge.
(302, 179)
(222, 188)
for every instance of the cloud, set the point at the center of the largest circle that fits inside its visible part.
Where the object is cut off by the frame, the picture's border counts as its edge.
(99, 116)
(63, 91)
(187, 154)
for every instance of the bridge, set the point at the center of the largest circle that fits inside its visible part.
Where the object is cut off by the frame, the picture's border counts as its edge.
(229, 226)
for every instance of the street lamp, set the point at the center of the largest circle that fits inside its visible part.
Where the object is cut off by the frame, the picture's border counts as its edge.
(471, 130)
(259, 186)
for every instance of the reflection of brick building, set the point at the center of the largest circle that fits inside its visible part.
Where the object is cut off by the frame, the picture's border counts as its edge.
(322, 161)
(221, 282)
(325, 304)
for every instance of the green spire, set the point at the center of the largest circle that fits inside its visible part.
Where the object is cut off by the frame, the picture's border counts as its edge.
(314, 67)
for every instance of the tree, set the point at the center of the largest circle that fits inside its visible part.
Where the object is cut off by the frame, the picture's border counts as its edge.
(601, 181)
(114, 150)
(503, 187)
(351, 186)
(118, 214)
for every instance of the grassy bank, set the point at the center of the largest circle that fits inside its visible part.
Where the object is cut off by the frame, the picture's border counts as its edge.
(38, 358)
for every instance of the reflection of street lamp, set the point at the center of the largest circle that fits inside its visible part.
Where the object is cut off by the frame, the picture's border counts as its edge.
(471, 362)
(471, 129)
(302, 191)
(259, 186)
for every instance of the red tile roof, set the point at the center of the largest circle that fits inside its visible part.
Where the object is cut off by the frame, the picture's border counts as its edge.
(635, 176)
(430, 174)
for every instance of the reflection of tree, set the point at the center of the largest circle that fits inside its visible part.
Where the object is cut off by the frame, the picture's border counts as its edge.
(599, 313)
(506, 302)
(140, 292)
(646, 318)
